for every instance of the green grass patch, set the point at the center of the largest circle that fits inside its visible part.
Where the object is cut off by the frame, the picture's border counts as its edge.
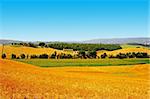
(83, 62)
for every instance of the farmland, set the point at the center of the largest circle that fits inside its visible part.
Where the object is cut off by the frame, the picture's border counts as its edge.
(8, 49)
(83, 62)
(124, 50)
(108, 78)
(18, 50)
(20, 80)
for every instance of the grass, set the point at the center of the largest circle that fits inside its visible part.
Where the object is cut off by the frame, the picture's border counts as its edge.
(83, 62)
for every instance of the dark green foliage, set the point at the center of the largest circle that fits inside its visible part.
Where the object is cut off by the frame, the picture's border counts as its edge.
(130, 55)
(26, 44)
(84, 47)
(104, 55)
(13, 56)
(121, 56)
(141, 55)
(33, 56)
(22, 56)
(65, 56)
(3, 56)
(53, 56)
(91, 54)
(32, 45)
(43, 56)
(27, 56)
(82, 54)
(42, 44)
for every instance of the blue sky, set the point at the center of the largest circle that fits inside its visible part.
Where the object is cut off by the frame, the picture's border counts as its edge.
(73, 20)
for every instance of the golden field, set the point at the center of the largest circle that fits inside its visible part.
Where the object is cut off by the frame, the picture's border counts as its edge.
(8, 50)
(18, 50)
(124, 50)
(23, 81)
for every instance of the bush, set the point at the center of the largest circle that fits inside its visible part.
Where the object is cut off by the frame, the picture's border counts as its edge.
(53, 56)
(22, 56)
(3, 56)
(141, 55)
(13, 56)
(32, 45)
(42, 44)
(121, 56)
(33, 56)
(104, 55)
(45, 56)
(65, 56)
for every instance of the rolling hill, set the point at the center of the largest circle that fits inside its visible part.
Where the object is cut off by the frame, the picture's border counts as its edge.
(124, 50)
(119, 41)
(18, 50)
(25, 81)
(94, 41)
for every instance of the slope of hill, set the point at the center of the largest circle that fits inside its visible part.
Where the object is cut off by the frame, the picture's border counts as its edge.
(125, 50)
(120, 41)
(18, 50)
(3, 41)
(24, 81)
(94, 41)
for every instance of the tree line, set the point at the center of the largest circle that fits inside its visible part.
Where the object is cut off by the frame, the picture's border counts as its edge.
(80, 55)
(74, 46)
(127, 55)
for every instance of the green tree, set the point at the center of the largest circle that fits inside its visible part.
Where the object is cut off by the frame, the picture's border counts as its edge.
(104, 55)
(22, 56)
(13, 56)
(42, 44)
(3, 56)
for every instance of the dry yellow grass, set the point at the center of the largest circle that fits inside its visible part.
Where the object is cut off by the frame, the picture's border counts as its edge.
(125, 50)
(27, 50)
(24, 81)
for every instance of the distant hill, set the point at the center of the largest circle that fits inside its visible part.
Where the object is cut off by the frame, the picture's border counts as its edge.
(119, 41)
(144, 41)
(3, 41)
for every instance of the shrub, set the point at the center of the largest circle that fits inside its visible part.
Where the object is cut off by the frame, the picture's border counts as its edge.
(22, 56)
(33, 56)
(3, 56)
(141, 55)
(121, 56)
(42, 44)
(104, 55)
(13, 56)
(53, 55)
(44, 56)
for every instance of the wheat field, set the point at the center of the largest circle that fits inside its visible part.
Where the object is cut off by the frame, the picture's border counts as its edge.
(124, 50)
(18, 50)
(23, 81)
(8, 50)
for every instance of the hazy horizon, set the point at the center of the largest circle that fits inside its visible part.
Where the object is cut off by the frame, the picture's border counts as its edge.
(74, 20)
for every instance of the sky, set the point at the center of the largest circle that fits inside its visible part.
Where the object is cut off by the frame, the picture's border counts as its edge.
(72, 20)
